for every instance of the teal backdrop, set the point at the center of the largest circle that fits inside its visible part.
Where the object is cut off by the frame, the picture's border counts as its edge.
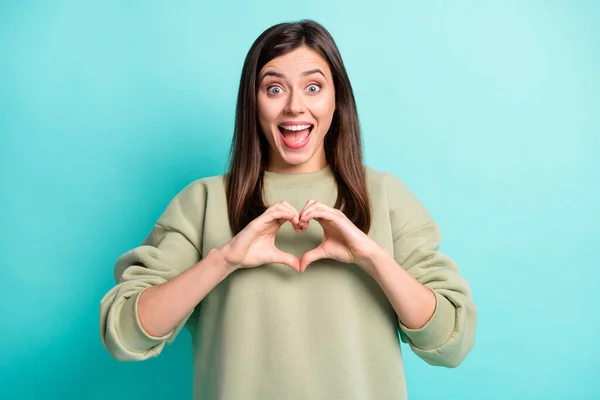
(488, 110)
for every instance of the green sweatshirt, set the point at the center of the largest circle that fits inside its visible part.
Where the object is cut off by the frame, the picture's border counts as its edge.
(271, 333)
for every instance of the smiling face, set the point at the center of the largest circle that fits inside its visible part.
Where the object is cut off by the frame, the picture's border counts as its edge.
(296, 102)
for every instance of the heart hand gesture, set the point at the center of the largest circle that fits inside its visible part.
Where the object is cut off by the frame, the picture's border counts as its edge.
(342, 240)
(255, 244)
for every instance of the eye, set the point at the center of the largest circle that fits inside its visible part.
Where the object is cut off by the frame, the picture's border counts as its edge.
(274, 90)
(313, 88)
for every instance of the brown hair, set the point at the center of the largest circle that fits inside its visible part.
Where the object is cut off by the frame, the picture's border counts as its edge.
(249, 148)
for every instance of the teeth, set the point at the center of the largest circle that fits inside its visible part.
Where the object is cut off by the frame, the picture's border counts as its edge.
(295, 127)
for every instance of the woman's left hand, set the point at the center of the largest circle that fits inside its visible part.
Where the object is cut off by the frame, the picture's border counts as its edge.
(342, 240)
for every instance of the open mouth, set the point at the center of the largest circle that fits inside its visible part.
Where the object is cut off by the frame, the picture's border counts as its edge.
(295, 136)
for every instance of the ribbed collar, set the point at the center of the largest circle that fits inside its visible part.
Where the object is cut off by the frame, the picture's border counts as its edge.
(278, 179)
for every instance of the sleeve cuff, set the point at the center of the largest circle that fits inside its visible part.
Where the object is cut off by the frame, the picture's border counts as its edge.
(438, 329)
(130, 329)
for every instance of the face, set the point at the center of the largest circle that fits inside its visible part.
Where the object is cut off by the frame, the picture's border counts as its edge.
(296, 101)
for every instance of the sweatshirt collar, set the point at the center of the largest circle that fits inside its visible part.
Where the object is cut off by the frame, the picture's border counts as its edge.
(288, 180)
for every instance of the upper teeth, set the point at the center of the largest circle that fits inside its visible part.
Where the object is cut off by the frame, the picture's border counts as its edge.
(295, 127)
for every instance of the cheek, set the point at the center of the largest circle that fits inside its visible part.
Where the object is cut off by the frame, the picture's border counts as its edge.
(267, 113)
(263, 116)
(323, 107)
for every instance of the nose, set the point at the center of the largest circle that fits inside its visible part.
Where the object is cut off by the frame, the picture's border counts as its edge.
(295, 103)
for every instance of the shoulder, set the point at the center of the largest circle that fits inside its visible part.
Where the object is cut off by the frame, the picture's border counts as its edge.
(383, 181)
(192, 198)
(387, 188)
(205, 185)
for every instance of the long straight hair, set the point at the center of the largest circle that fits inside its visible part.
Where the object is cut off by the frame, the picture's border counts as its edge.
(249, 151)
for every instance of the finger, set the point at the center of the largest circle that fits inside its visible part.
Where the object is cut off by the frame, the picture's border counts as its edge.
(286, 206)
(286, 259)
(281, 215)
(280, 206)
(309, 203)
(319, 212)
(317, 206)
(326, 218)
(293, 209)
(310, 257)
(303, 222)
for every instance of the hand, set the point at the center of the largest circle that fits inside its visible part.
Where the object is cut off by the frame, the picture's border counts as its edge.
(342, 240)
(255, 244)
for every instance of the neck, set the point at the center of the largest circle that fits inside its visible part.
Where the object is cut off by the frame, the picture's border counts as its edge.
(315, 164)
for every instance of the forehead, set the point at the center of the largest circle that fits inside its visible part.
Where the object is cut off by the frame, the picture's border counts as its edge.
(297, 61)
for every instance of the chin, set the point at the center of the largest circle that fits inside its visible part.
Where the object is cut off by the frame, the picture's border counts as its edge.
(297, 159)
(291, 159)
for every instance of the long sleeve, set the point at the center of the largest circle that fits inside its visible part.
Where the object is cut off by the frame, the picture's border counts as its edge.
(171, 247)
(449, 335)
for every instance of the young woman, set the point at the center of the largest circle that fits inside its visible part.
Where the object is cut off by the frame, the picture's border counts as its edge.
(296, 271)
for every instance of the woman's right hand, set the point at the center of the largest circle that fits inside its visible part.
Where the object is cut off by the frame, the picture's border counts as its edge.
(255, 244)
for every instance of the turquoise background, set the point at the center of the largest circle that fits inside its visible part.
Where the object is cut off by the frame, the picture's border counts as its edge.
(488, 110)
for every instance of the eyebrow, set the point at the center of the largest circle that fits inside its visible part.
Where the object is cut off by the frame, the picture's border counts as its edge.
(306, 73)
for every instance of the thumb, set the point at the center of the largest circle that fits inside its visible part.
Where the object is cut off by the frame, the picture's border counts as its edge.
(311, 256)
(287, 259)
